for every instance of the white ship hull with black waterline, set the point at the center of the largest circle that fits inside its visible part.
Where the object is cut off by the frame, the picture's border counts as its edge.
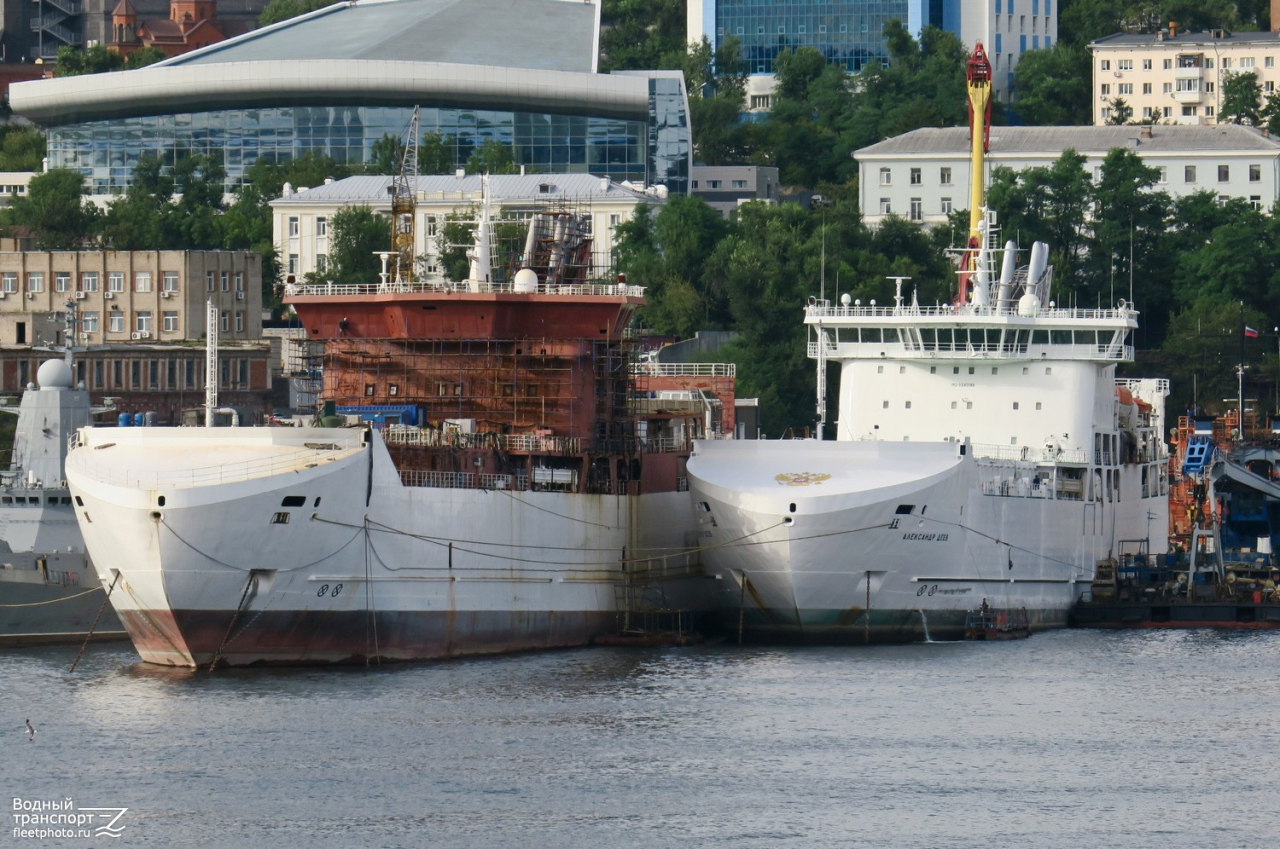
(985, 452)
(530, 496)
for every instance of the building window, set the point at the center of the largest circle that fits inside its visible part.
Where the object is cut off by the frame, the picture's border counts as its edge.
(1106, 65)
(946, 206)
(1125, 88)
(1255, 173)
(293, 227)
(322, 226)
(35, 281)
(62, 281)
(917, 209)
(1189, 174)
(170, 318)
(1106, 89)
(293, 264)
(885, 207)
(1167, 64)
(210, 282)
(89, 281)
(142, 281)
(1146, 64)
(1124, 65)
(1146, 88)
(1167, 111)
(169, 281)
(1246, 62)
(1224, 173)
(115, 323)
(142, 321)
(322, 263)
(10, 282)
(239, 322)
(1167, 88)
(916, 179)
(224, 280)
(1269, 86)
(886, 177)
(1269, 62)
(1106, 114)
(1164, 174)
(224, 322)
(713, 184)
(432, 224)
(1188, 111)
(1146, 112)
(737, 184)
(944, 176)
(239, 281)
(89, 322)
(1255, 201)
(115, 281)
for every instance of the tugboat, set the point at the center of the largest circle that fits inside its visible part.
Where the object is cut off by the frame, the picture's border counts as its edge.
(49, 591)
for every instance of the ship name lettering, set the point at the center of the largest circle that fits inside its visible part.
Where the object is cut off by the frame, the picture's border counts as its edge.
(925, 537)
(961, 385)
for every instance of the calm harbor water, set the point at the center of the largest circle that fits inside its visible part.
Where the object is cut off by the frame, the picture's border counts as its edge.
(1069, 739)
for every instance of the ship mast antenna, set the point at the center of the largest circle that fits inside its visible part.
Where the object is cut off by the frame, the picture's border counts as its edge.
(404, 201)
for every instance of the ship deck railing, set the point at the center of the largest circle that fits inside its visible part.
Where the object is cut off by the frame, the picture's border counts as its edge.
(1029, 453)
(685, 369)
(530, 443)
(234, 472)
(424, 288)
(900, 350)
(825, 310)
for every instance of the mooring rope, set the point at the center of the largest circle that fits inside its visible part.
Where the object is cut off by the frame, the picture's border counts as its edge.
(52, 601)
(253, 576)
(89, 635)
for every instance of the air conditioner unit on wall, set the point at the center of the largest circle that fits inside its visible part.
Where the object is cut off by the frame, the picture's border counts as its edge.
(31, 295)
(166, 294)
(239, 296)
(135, 335)
(80, 296)
(83, 335)
(108, 295)
(144, 334)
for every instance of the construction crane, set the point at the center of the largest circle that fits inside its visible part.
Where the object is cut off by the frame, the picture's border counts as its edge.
(404, 203)
(979, 91)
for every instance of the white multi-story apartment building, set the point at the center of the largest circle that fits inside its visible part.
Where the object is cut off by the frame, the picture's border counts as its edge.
(850, 33)
(1175, 77)
(301, 219)
(924, 174)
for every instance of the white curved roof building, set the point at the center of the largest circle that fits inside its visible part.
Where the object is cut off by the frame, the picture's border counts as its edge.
(521, 72)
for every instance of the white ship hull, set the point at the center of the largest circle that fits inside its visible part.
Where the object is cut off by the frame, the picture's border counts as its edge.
(898, 540)
(293, 546)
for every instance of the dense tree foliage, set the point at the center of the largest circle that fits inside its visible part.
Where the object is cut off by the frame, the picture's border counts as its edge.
(642, 34)
(54, 211)
(22, 147)
(357, 234)
(281, 10)
(98, 59)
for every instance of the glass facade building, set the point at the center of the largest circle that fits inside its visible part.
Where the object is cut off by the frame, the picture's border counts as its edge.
(654, 152)
(849, 33)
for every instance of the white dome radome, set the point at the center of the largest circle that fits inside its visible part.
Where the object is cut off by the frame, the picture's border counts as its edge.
(526, 280)
(54, 374)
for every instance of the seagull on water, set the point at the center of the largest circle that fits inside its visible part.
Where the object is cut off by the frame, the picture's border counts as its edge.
(31, 731)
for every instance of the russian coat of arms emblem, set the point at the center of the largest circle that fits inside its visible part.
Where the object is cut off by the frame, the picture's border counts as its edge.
(802, 478)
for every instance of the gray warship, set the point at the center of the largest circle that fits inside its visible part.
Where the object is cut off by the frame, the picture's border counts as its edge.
(49, 591)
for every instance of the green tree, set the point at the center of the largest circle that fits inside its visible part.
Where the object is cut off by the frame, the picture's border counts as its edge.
(54, 211)
(1054, 86)
(1121, 111)
(639, 35)
(385, 156)
(455, 237)
(357, 234)
(199, 182)
(138, 219)
(73, 62)
(436, 154)
(22, 147)
(281, 10)
(146, 56)
(717, 83)
(492, 157)
(1241, 98)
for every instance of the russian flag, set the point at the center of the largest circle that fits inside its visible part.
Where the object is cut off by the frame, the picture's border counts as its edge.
(1250, 332)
